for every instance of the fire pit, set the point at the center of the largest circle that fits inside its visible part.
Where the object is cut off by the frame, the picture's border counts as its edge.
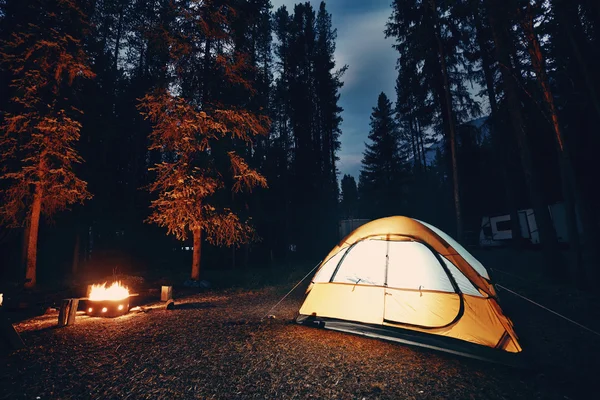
(112, 301)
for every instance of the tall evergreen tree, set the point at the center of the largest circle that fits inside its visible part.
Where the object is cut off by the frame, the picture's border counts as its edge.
(195, 129)
(349, 198)
(428, 35)
(280, 151)
(327, 115)
(570, 56)
(380, 183)
(501, 27)
(39, 134)
(306, 123)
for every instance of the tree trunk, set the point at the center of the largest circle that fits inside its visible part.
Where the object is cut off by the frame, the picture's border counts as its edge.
(568, 20)
(36, 208)
(206, 68)
(498, 140)
(196, 256)
(451, 128)
(75, 265)
(413, 139)
(537, 61)
(422, 145)
(552, 255)
(118, 39)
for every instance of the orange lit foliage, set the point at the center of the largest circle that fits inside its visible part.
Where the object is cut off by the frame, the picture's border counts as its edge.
(182, 185)
(193, 131)
(37, 138)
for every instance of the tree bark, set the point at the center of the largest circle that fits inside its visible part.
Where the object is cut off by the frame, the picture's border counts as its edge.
(36, 208)
(549, 242)
(196, 255)
(451, 127)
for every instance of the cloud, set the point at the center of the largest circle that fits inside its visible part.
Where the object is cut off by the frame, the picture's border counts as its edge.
(362, 45)
(350, 164)
(371, 59)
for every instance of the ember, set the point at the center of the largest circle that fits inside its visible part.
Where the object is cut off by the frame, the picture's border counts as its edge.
(109, 301)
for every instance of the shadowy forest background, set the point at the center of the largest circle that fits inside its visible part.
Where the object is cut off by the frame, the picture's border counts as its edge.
(218, 121)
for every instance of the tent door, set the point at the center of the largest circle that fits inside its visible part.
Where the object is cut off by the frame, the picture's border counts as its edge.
(427, 309)
(418, 290)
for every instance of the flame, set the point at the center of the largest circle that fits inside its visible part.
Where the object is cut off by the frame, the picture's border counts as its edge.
(114, 292)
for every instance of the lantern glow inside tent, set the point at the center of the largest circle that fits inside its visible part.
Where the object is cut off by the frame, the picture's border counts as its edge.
(404, 280)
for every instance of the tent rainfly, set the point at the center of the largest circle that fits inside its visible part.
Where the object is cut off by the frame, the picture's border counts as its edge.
(404, 280)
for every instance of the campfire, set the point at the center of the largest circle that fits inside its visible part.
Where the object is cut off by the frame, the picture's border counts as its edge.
(111, 301)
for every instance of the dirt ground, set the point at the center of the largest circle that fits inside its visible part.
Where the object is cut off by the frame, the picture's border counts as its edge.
(214, 345)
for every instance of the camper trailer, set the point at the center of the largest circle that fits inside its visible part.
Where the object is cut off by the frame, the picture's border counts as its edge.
(496, 229)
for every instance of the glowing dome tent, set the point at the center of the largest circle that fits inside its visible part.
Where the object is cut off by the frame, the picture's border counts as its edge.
(401, 279)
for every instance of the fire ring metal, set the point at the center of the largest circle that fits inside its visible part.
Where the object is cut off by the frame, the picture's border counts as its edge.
(107, 308)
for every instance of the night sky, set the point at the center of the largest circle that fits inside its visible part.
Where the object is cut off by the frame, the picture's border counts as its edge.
(361, 44)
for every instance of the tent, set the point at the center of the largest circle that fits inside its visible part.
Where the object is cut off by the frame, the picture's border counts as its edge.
(404, 280)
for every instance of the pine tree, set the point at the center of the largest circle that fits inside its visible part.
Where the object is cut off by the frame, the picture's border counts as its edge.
(380, 182)
(194, 131)
(570, 57)
(280, 151)
(326, 125)
(349, 200)
(500, 26)
(480, 50)
(252, 35)
(40, 132)
(413, 111)
(428, 36)
(306, 123)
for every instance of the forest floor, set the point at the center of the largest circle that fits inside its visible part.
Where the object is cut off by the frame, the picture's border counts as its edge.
(214, 345)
